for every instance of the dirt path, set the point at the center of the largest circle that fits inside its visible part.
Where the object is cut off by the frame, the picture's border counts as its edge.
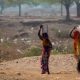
(62, 67)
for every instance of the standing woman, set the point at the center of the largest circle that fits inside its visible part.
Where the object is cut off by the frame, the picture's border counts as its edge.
(75, 35)
(47, 46)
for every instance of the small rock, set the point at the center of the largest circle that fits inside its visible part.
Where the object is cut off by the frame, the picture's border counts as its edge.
(16, 61)
(19, 74)
(2, 72)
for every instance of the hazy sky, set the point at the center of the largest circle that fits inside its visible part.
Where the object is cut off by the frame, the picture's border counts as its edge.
(32, 9)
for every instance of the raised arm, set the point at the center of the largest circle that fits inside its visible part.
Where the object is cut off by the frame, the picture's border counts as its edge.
(71, 33)
(39, 33)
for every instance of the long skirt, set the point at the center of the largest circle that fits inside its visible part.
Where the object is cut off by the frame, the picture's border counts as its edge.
(77, 50)
(45, 60)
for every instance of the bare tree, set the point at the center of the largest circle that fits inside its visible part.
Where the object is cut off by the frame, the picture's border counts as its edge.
(2, 2)
(78, 7)
(67, 4)
(18, 3)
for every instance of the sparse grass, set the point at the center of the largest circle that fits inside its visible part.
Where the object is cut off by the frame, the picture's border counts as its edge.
(62, 51)
(34, 51)
(59, 31)
(62, 34)
(7, 44)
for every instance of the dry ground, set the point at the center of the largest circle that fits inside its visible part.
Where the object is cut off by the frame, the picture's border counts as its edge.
(62, 67)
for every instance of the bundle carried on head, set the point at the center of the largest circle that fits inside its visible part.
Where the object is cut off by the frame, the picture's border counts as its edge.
(75, 29)
(45, 29)
(78, 28)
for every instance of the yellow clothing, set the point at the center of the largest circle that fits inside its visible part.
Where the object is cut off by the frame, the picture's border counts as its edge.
(45, 42)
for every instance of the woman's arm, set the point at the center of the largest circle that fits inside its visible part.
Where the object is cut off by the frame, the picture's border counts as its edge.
(39, 33)
(71, 33)
(50, 44)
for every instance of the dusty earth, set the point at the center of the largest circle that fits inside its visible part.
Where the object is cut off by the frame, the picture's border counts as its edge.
(62, 67)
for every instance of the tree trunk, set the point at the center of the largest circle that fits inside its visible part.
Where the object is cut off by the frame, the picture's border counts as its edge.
(61, 8)
(2, 7)
(67, 13)
(19, 9)
(78, 10)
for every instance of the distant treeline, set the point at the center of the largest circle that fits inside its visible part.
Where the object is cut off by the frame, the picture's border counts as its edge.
(66, 3)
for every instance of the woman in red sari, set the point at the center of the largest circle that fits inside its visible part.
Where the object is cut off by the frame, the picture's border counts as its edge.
(47, 46)
(75, 35)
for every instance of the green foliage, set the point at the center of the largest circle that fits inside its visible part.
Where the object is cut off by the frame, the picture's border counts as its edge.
(62, 49)
(62, 34)
(16, 2)
(44, 1)
(33, 52)
(64, 2)
(67, 2)
(76, 1)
